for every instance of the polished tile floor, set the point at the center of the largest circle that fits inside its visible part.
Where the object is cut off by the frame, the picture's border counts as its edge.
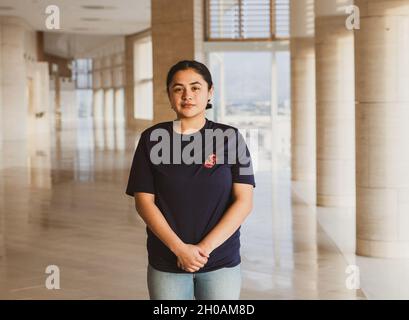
(62, 203)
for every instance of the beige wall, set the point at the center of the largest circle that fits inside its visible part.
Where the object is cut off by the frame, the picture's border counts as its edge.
(14, 101)
(108, 71)
(23, 80)
(131, 122)
(175, 36)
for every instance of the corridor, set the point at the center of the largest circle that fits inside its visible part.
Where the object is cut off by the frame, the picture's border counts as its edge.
(66, 206)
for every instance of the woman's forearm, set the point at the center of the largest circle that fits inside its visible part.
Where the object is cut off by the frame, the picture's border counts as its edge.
(230, 222)
(157, 223)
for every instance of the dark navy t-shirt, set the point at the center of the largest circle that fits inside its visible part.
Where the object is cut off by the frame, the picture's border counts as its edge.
(192, 196)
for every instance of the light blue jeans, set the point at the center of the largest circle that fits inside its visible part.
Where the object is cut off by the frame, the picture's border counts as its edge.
(221, 284)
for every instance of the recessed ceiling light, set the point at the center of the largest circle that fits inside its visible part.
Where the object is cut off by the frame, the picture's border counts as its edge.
(97, 7)
(81, 29)
(92, 19)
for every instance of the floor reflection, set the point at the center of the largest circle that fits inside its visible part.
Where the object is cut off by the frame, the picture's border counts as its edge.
(2, 221)
(66, 206)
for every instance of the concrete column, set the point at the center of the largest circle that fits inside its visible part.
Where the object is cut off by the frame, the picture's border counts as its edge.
(2, 217)
(119, 103)
(98, 105)
(334, 50)
(40, 112)
(1, 97)
(129, 73)
(302, 91)
(13, 80)
(118, 83)
(106, 72)
(109, 111)
(57, 101)
(2, 213)
(39, 137)
(184, 19)
(97, 92)
(109, 124)
(382, 126)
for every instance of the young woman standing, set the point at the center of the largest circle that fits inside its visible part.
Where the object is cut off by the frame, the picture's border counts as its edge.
(193, 211)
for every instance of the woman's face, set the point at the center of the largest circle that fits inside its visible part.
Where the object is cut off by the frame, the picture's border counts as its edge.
(189, 93)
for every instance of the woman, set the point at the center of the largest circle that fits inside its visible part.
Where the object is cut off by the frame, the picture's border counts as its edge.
(193, 211)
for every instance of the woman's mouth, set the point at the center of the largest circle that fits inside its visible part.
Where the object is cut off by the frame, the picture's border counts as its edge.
(188, 105)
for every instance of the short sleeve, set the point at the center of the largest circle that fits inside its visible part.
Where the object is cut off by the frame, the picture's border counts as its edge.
(242, 169)
(141, 175)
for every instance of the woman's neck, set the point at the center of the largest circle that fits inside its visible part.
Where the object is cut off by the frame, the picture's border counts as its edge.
(190, 125)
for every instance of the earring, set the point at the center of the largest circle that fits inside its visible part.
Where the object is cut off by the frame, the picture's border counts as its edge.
(209, 105)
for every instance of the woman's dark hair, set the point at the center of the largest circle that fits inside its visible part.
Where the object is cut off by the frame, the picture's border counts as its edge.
(200, 68)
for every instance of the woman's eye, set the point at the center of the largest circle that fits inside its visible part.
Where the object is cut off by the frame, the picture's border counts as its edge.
(177, 90)
(195, 88)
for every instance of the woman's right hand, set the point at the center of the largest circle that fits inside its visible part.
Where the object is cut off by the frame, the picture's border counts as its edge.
(191, 258)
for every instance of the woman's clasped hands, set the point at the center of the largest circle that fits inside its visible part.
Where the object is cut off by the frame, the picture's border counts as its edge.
(192, 257)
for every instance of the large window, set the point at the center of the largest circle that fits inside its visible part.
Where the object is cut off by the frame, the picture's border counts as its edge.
(82, 73)
(283, 61)
(247, 19)
(143, 89)
(252, 90)
(82, 77)
(243, 84)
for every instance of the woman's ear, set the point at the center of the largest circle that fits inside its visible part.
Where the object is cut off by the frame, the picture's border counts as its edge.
(211, 91)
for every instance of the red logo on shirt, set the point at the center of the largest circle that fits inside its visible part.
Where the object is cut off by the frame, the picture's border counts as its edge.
(210, 161)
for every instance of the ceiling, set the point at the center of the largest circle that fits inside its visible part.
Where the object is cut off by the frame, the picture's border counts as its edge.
(102, 17)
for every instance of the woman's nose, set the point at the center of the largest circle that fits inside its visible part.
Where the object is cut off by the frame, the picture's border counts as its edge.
(186, 95)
